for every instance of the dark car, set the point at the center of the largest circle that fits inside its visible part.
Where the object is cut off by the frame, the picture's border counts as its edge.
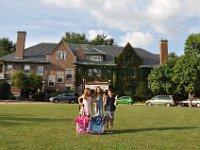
(64, 97)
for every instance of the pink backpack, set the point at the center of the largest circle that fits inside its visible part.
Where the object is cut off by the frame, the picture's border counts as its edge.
(82, 123)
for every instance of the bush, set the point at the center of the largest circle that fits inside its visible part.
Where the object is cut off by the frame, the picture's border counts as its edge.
(4, 90)
(40, 96)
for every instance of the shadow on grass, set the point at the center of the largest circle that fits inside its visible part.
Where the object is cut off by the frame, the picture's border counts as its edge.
(152, 129)
(20, 120)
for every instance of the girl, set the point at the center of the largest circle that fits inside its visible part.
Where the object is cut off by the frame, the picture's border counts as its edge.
(86, 103)
(110, 105)
(99, 101)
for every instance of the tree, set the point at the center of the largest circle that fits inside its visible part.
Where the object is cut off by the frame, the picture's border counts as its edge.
(77, 38)
(193, 43)
(4, 89)
(34, 82)
(27, 83)
(127, 62)
(160, 78)
(20, 80)
(142, 91)
(102, 40)
(187, 72)
(6, 47)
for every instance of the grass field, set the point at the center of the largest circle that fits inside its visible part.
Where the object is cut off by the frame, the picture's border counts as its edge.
(51, 127)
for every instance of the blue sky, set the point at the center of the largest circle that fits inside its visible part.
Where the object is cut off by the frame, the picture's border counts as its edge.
(140, 22)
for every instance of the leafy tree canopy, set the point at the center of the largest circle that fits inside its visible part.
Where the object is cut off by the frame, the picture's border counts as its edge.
(77, 38)
(6, 46)
(193, 43)
(31, 82)
(160, 78)
(187, 72)
(102, 40)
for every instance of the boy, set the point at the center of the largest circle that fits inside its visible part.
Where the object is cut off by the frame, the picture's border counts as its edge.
(110, 106)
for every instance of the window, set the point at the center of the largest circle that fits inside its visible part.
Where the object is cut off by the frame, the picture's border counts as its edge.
(1, 68)
(96, 58)
(40, 70)
(155, 98)
(9, 69)
(165, 97)
(60, 79)
(51, 80)
(27, 69)
(61, 54)
(60, 76)
(68, 74)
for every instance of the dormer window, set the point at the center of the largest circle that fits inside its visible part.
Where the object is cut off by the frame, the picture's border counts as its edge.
(95, 55)
(96, 58)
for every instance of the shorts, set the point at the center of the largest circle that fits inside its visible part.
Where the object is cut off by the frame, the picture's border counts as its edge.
(110, 116)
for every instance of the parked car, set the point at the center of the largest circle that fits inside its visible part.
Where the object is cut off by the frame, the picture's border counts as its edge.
(64, 97)
(195, 102)
(166, 100)
(125, 100)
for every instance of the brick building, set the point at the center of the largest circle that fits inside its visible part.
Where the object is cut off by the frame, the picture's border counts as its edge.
(57, 62)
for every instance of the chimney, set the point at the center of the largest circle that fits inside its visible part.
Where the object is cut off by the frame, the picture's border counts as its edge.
(20, 45)
(163, 51)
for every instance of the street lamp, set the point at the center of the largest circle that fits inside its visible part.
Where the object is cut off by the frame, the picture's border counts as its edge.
(83, 85)
(109, 84)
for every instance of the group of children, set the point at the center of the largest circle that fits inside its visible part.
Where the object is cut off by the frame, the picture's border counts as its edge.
(99, 104)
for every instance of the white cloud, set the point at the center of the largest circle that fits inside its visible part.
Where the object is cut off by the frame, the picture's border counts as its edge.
(162, 16)
(93, 33)
(137, 39)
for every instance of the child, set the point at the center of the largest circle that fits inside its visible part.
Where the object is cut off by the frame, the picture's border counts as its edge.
(86, 103)
(110, 105)
(99, 101)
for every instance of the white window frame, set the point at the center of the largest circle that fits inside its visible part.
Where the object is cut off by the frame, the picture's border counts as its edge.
(60, 77)
(40, 70)
(96, 58)
(27, 69)
(9, 69)
(52, 80)
(67, 71)
(61, 55)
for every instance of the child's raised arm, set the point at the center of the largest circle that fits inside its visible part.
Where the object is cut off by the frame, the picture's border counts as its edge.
(116, 97)
(79, 100)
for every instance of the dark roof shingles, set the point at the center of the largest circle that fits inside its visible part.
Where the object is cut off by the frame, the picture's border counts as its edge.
(38, 53)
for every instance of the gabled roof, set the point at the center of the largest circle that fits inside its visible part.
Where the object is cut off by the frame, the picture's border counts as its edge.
(37, 53)
(113, 51)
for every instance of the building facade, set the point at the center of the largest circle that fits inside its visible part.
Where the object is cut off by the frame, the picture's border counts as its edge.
(57, 62)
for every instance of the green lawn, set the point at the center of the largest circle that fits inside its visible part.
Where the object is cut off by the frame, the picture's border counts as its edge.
(51, 127)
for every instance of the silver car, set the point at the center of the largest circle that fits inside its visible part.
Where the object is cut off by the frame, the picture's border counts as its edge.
(166, 100)
(195, 102)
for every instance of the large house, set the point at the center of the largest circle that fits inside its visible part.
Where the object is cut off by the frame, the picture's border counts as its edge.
(57, 62)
